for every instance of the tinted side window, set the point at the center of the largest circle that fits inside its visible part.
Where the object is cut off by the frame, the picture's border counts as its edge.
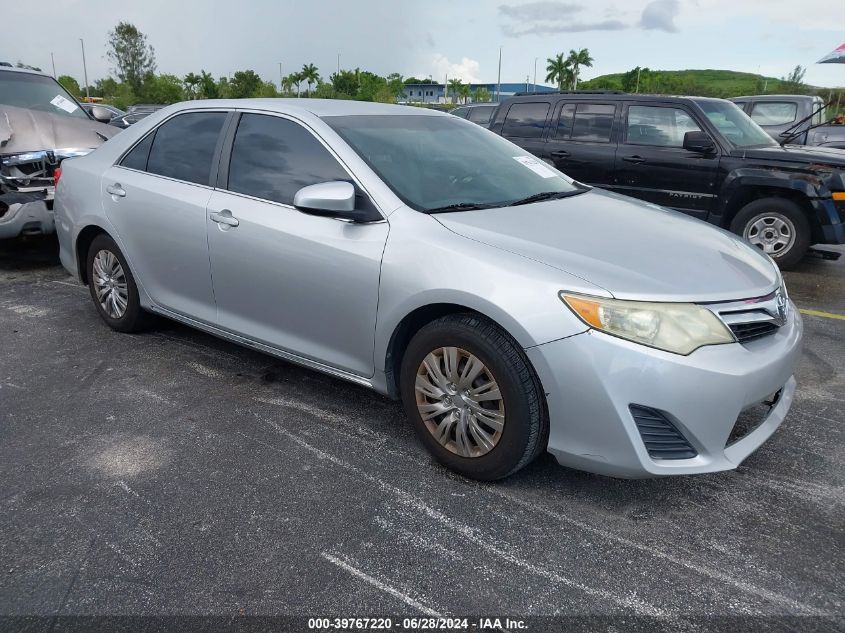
(564, 121)
(526, 120)
(183, 147)
(658, 126)
(137, 158)
(774, 112)
(461, 112)
(593, 122)
(273, 158)
(481, 114)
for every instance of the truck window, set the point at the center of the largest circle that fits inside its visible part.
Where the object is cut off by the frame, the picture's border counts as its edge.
(564, 120)
(774, 112)
(658, 126)
(525, 120)
(593, 122)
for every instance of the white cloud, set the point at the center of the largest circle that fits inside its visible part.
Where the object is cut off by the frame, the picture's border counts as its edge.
(467, 70)
(660, 15)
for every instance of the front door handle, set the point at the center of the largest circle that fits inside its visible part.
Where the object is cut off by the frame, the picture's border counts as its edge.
(561, 153)
(225, 218)
(633, 159)
(116, 190)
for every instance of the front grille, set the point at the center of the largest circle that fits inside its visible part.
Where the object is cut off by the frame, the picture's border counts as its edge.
(752, 418)
(745, 332)
(662, 440)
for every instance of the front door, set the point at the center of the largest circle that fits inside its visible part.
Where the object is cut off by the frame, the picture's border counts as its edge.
(651, 163)
(304, 284)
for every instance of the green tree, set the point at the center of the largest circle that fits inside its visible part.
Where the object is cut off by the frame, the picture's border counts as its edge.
(309, 75)
(396, 85)
(464, 92)
(164, 89)
(297, 80)
(287, 84)
(267, 89)
(207, 86)
(132, 57)
(559, 70)
(224, 88)
(454, 87)
(481, 95)
(794, 81)
(70, 84)
(577, 59)
(192, 82)
(345, 83)
(244, 84)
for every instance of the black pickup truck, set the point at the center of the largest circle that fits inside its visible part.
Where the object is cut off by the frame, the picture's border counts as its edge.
(701, 156)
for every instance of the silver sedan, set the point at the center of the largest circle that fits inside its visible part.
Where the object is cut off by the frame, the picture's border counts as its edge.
(513, 310)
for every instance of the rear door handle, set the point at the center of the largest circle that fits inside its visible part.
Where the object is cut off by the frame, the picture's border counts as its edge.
(561, 153)
(116, 190)
(633, 159)
(225, 218)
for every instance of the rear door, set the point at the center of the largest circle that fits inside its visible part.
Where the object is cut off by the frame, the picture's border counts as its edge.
(581, 141)
(156, 199)
(651, 163)
(525, 125)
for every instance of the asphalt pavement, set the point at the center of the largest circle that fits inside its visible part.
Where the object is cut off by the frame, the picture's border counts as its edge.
(172, 473)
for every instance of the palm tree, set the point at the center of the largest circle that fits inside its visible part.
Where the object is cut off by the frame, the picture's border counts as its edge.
(310, 75)
(287, 83)
(455, 86)
(297, 79)
(464, 91)
(577, 59)
(558, 70)
(191, 82)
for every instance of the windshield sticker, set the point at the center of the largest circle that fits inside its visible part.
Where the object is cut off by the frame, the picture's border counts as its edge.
(535, 165)
(64, 104)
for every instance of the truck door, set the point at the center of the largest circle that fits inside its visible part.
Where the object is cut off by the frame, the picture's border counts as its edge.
(581, 141)
(651, 163)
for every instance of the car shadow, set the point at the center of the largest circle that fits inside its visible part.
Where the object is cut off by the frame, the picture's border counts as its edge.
(29, 253)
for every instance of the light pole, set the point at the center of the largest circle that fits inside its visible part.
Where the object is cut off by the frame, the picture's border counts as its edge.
(53, 59)
(534, 89)
(499, 80)
(281, 79)
(85, 71)
(338, 65)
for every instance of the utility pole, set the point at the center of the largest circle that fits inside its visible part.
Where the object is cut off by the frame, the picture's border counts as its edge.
(637, 89)
(338, 65)
(84, 71)
(53, 59)
(499, 80)
(534, 89)
(281, 78)
(446, 89)
(527, 77)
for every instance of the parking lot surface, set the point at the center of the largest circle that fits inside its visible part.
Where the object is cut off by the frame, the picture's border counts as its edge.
(174, 473)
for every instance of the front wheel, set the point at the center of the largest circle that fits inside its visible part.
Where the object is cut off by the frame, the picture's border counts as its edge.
(777, 226)
(473, 397)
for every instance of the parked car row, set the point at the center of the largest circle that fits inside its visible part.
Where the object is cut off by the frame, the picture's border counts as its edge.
(512, 309)
(704, 157)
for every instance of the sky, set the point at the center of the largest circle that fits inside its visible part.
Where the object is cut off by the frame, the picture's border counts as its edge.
(458, 38)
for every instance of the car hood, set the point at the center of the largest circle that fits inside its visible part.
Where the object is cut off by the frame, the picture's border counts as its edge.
(632, 249)
(24, 130)
(796, 153)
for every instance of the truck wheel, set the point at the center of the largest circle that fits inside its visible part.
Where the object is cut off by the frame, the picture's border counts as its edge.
(776, 226)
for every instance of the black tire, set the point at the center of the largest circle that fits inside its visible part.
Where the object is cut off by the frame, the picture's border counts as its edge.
(134, 318)
(782, 208)
(525, 431)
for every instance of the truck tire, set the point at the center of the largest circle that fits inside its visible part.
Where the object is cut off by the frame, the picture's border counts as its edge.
(777, 226)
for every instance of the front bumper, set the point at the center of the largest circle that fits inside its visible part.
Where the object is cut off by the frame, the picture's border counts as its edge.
(26, 214)
(592, 379)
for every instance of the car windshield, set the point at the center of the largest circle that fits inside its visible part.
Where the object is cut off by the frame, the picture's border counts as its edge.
(443, 163)
(735, 125)
(37, 92)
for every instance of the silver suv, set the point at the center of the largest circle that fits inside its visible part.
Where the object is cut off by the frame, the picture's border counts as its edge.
(512, 309)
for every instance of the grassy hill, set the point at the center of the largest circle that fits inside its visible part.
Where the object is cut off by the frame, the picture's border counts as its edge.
(712, 83)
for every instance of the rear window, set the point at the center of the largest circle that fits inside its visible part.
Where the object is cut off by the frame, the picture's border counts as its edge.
(774, 112)
(461, 112)
(481, 114)
(593, 122)
(525, 120)
(184, 146)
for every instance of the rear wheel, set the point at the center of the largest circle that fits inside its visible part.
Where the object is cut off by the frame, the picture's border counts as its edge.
(473, 398)
(113, 288)
(776, 226)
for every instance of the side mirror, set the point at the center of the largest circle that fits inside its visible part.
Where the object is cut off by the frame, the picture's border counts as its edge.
(101, 114)
(699, 142)
(334, 199)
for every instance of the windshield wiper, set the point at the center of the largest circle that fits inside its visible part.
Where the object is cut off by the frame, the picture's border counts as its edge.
(546, 195)
(459, 206)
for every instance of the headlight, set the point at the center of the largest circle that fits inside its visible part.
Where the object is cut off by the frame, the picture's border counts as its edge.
(680, 328)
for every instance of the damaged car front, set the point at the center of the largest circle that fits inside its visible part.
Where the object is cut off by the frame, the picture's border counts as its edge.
(41, 125)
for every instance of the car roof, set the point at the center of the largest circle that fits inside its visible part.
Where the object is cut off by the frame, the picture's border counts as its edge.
(316, 107)
(609, 96)
(779, 97)
(28, 71)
